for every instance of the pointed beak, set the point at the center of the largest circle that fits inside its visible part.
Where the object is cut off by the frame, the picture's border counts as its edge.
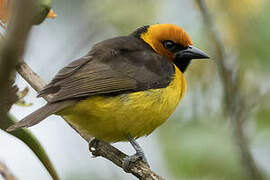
(191, 53)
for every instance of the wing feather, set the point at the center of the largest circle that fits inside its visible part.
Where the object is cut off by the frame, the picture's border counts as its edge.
(104, 73)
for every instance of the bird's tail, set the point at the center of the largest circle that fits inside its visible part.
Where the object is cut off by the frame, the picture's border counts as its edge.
(40, 114)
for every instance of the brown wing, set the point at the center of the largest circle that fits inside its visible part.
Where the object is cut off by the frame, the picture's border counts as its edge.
(107, 70)
(114, 66)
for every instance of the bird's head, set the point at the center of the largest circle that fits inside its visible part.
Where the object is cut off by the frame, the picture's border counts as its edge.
(171, 42)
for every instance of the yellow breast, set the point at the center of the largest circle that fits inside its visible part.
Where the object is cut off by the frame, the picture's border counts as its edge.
(138, 113)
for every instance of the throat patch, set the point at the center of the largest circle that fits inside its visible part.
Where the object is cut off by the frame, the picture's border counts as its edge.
(182, 64)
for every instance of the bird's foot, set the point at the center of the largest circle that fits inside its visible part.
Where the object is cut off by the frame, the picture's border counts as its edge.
(91, 145)
(129, 160)
(139, 155)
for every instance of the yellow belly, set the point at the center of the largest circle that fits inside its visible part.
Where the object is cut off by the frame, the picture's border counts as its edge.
(139, 113)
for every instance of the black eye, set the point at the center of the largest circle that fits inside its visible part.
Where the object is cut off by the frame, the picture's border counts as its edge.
(169, 44)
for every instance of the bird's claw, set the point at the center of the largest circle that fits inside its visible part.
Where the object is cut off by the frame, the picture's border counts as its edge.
(91, 145)
(129, 160)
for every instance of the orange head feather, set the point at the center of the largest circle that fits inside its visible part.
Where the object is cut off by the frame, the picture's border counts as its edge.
(158, 33)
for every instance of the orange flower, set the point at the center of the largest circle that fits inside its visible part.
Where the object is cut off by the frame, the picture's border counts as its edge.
(51, 14)
(5, 10)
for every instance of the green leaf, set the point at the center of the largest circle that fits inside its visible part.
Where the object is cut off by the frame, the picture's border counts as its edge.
(31, 141)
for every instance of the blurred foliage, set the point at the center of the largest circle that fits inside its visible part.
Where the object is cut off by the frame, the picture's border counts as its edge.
(126, 16)
(263, 121)
(198, 150)
(245, 29)
(200, 146)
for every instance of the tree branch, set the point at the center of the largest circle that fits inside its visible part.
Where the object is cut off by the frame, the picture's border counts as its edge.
(13, 48)
(30, 76)
(137, 168)
(235, 105)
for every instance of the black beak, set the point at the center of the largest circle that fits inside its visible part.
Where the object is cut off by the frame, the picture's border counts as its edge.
(191, 53)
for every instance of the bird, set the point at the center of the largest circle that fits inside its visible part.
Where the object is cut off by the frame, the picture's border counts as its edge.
(124, 87)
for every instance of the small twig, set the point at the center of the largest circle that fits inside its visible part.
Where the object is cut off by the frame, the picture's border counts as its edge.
(260, 100)
(5, 173)
(30, 76)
